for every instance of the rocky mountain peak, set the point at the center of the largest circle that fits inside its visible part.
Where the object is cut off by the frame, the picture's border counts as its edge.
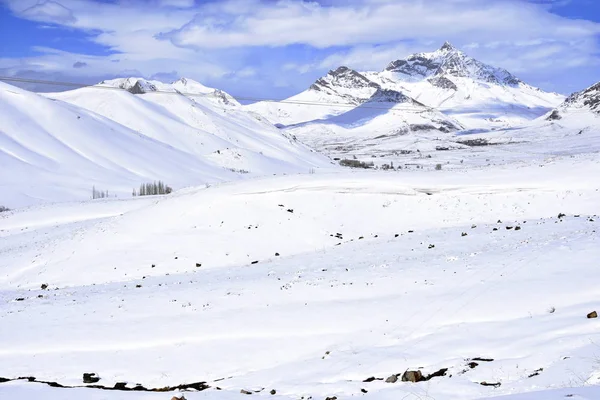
(447, 46)
(448, 62)
(343, 77)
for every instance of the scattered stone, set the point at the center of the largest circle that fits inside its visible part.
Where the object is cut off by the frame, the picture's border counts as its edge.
(508, 228)
(396, 235)
(412, 376)
(40, 296)
(290, 210)
(276, 254)
(464, 234)
(431, 246)
(20, 299)
(482, 359)
(593, 314)
(273, 392)
(198, 265)
(497, 384)
(176, 258)
(495, 229)
(499, 221)
(473, 226)
(441, 372)
(517, 228)
(331, 398)
(364, 390)
(178, 398)
(472, 364)
(392, 379)
(90, 377)
(153, 265)
(536, 372)
(121, 386)
(371, 379)
(44, 286)
(243, 391)
(138, 286)
(561, 215)
(361, 238)
(411, 231)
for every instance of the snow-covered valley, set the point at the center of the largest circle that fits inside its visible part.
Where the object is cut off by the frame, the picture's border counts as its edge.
(310, 285)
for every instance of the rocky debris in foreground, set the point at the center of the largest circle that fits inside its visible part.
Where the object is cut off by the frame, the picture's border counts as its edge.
(90, 377)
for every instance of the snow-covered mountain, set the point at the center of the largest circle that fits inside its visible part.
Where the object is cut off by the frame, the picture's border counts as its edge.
(481, 96)
(448, 62)
(57, 146)
(478, 95)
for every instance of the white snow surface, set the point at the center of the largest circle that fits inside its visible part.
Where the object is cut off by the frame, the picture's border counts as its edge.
(58, 148)
(357, 275)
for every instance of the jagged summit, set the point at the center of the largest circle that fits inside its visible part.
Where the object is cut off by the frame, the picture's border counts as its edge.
(343, 77)
(448, 61)
(447, 46)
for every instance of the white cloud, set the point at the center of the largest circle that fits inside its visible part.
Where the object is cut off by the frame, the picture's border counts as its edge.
(49, 11)
(287, 43)
(288, 22)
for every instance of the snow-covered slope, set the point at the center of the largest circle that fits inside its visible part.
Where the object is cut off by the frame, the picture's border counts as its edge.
(386, 122)
(339, 91)
(51, 150)
(315, 286)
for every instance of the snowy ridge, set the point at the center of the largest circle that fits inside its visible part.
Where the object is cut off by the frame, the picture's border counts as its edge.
(588, 99)
(183, 85)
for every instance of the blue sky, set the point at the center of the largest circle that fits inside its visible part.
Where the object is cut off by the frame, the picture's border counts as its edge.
(276, 48)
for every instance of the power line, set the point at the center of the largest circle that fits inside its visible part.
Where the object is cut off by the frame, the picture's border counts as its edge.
(213, 94)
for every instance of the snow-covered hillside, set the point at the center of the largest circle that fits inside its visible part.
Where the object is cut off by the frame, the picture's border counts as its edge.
(316, 286)
(51, 150)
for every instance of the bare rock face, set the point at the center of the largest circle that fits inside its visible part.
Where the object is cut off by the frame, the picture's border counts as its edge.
(392, 379)
(412, 376)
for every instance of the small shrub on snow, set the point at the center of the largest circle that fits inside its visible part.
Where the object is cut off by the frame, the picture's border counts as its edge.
(438, 167)
(356, 164)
